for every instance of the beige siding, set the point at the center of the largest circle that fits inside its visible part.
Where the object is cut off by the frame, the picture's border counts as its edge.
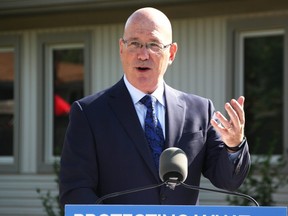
(106, 68)
(199, 67)
(19, 197)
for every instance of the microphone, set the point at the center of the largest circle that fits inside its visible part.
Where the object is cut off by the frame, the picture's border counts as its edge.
(173, 166)
(173, 171)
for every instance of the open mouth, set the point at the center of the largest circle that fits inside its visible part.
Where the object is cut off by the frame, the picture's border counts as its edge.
(143, 68)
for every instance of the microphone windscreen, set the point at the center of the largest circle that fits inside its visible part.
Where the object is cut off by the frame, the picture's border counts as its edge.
(173, 164)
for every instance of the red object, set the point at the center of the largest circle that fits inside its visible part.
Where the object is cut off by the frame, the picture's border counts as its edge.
(61, 106)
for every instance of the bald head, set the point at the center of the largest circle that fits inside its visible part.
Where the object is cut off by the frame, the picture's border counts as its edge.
(149, 19)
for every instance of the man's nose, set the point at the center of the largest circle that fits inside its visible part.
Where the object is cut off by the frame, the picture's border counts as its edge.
(143, 52)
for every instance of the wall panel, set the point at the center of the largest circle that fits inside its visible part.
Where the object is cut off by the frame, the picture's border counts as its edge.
(199, 67)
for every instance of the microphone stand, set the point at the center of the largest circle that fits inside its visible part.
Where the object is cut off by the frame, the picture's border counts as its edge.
(172, 182)
(251, 199)
(120, 193)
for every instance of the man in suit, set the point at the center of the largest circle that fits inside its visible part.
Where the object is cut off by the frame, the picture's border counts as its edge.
(106, 149)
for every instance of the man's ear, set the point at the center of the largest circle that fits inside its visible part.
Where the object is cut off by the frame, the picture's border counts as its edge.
(121, 45)
(173, 51)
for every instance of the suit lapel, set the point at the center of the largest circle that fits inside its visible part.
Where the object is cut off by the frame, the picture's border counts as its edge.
(175, 108)
(122, 105)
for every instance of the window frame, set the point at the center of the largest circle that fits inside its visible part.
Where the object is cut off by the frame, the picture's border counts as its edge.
(236, 28)
(13, 42)
(46, 43)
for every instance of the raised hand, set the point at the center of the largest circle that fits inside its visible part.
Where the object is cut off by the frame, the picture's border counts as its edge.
(231, 130)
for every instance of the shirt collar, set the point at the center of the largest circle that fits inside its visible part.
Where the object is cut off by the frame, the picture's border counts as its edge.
(136, 94)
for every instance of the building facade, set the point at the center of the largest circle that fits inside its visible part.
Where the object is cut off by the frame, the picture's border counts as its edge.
(54, 52)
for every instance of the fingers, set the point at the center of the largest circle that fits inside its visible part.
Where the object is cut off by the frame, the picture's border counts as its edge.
(236, 111)
(231, 129)
(233, 109)
(241, 101)
(221, 122)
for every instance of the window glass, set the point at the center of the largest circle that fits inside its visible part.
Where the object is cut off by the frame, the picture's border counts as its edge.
(68, 73)
(263, 89)
(6, 105)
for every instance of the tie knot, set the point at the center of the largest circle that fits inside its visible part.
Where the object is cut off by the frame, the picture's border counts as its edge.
(147, 100)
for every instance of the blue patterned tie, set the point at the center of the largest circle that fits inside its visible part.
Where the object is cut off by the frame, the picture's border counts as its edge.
(153, 129)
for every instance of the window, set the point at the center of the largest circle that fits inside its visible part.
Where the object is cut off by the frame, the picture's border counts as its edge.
(65, 76)
(68, 77)
(6, 104)
(9, 111)
(260, 73)
(263, 72)
(65, 72)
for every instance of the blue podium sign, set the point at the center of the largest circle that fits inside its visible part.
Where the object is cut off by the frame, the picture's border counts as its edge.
(172, 210)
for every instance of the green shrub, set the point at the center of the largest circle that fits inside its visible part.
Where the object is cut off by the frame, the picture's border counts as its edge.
(51, 202)
(264, 179)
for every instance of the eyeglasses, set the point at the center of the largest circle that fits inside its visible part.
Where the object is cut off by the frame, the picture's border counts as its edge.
(134, 45)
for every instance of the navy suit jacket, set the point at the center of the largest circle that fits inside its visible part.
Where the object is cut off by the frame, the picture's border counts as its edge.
(105, 150)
